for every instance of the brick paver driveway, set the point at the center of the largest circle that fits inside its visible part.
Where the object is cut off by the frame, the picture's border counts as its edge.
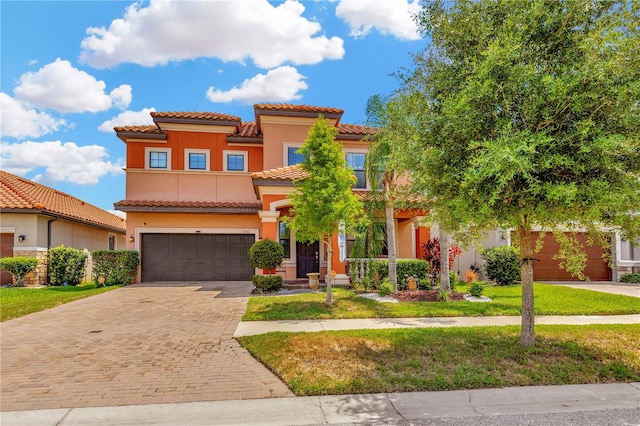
(141, 344)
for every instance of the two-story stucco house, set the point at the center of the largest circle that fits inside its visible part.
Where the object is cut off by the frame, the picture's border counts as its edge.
(201, 187)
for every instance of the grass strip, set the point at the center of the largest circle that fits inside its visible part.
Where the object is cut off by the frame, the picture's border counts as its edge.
(406, 360)
(19, 301)
(549, 300)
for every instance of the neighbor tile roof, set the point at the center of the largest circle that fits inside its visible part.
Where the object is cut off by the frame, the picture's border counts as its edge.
(193, 115)
(17, 193)
(140, 129)
(281, 173)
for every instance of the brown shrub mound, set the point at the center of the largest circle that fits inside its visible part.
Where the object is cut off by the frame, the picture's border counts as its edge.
(426, 296)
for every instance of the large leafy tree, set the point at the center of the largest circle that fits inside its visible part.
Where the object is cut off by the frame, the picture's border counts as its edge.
(323, 200)
(527, 114)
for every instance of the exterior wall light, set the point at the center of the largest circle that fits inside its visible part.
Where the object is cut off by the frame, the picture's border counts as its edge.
(21, 238)
(131, 239)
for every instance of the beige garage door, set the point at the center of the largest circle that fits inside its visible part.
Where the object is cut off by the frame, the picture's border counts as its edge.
(196, 257)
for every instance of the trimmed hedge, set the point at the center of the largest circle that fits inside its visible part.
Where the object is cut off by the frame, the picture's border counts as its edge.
(267, 282)
(66, 265)
(410, 267)
(266, 254)
(116, 266)
(630, 278)
(18, 267)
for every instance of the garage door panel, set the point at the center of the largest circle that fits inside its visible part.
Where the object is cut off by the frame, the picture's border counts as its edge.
(548, 268)
(196, 257)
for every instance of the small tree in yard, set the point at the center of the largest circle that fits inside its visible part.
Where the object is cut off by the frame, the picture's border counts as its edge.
(18, 267)
(266, 254)
(527, 114)
(323, 199)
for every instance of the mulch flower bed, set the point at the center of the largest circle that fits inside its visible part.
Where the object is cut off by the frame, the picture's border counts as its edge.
(426, 296)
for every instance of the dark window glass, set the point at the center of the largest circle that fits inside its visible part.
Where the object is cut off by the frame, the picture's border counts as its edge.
(285, 239)
(235, 162)
(355, 161)
(292, 157)
(197, 161)
(112, 242)
(158, 160)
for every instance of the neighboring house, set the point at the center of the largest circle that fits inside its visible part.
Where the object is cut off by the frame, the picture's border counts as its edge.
(35, 218)
(202, 187)
(625, 257)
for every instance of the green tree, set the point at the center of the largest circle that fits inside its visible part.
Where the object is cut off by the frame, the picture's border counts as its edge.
(323, 199)
(527, 114)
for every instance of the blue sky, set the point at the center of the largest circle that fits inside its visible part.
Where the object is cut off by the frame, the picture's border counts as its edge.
(71, 71)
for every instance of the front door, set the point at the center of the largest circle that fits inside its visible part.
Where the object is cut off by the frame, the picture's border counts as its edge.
(308, 258)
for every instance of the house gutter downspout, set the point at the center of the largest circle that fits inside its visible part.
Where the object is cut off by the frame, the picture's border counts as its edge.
(49, 247)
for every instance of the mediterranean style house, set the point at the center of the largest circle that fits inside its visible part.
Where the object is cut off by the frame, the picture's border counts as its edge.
(35, 218)
(202, 187)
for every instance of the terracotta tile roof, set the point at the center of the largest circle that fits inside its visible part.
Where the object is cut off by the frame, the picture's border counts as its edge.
(298, 108)
(248, 129)
(139, 129)
(17, 193)
(189, 206)
(192, 115)
(281, 173)
(355, 130)
(246, 133)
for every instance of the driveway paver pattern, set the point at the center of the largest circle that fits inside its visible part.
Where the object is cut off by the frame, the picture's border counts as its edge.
(141, 344)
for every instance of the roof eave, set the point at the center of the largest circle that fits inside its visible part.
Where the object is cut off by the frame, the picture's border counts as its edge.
(219, 122)
(209, 210)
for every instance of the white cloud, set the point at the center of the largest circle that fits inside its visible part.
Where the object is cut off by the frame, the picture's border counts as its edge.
(83, 165)
(19, 121)
(118, 213)
(61, 87)
(278, 85)
(387, 16)
(128, 118)
(174, 30)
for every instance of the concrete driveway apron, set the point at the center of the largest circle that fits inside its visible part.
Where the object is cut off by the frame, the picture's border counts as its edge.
(141, 344)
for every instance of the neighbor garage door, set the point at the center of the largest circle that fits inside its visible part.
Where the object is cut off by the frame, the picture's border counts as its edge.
(6, 250)
(549, 269)
(196, 257)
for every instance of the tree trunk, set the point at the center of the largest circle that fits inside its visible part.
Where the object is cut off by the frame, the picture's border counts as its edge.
(327, 277)
(445, 284)
(391, 245)
(527, 333)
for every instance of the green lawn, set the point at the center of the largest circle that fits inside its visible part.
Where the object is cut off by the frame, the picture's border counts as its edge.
(19, 301)
(549, 300)
(406, 360)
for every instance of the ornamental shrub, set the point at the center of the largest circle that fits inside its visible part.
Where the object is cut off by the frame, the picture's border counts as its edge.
(476, 288)
(116, 266)
(630, 278)
(18, 267)
(385, 288)
(66, 265)
(267, 282)
(266, 254)
(502, 264)
(432, 256)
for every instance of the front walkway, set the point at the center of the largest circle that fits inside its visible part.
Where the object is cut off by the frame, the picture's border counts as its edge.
(141, 344)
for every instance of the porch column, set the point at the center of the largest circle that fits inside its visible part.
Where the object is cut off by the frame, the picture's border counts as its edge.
(422, 235)
(269, 224)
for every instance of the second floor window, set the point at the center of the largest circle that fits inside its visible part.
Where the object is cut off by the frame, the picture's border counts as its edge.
(292, 157)
(157, 160)
(197, 161)
(235, 162)
(355, 161)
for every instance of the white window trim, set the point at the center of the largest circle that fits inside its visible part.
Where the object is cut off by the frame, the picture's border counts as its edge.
(358, 151)
(285, 150)
(245, 154)
(147, 153)
(207, 157)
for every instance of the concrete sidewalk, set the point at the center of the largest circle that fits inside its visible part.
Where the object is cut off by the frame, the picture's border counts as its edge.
(248, 328)
(593, 401)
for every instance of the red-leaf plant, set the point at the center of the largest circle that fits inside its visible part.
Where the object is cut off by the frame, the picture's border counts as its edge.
(432, 255)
